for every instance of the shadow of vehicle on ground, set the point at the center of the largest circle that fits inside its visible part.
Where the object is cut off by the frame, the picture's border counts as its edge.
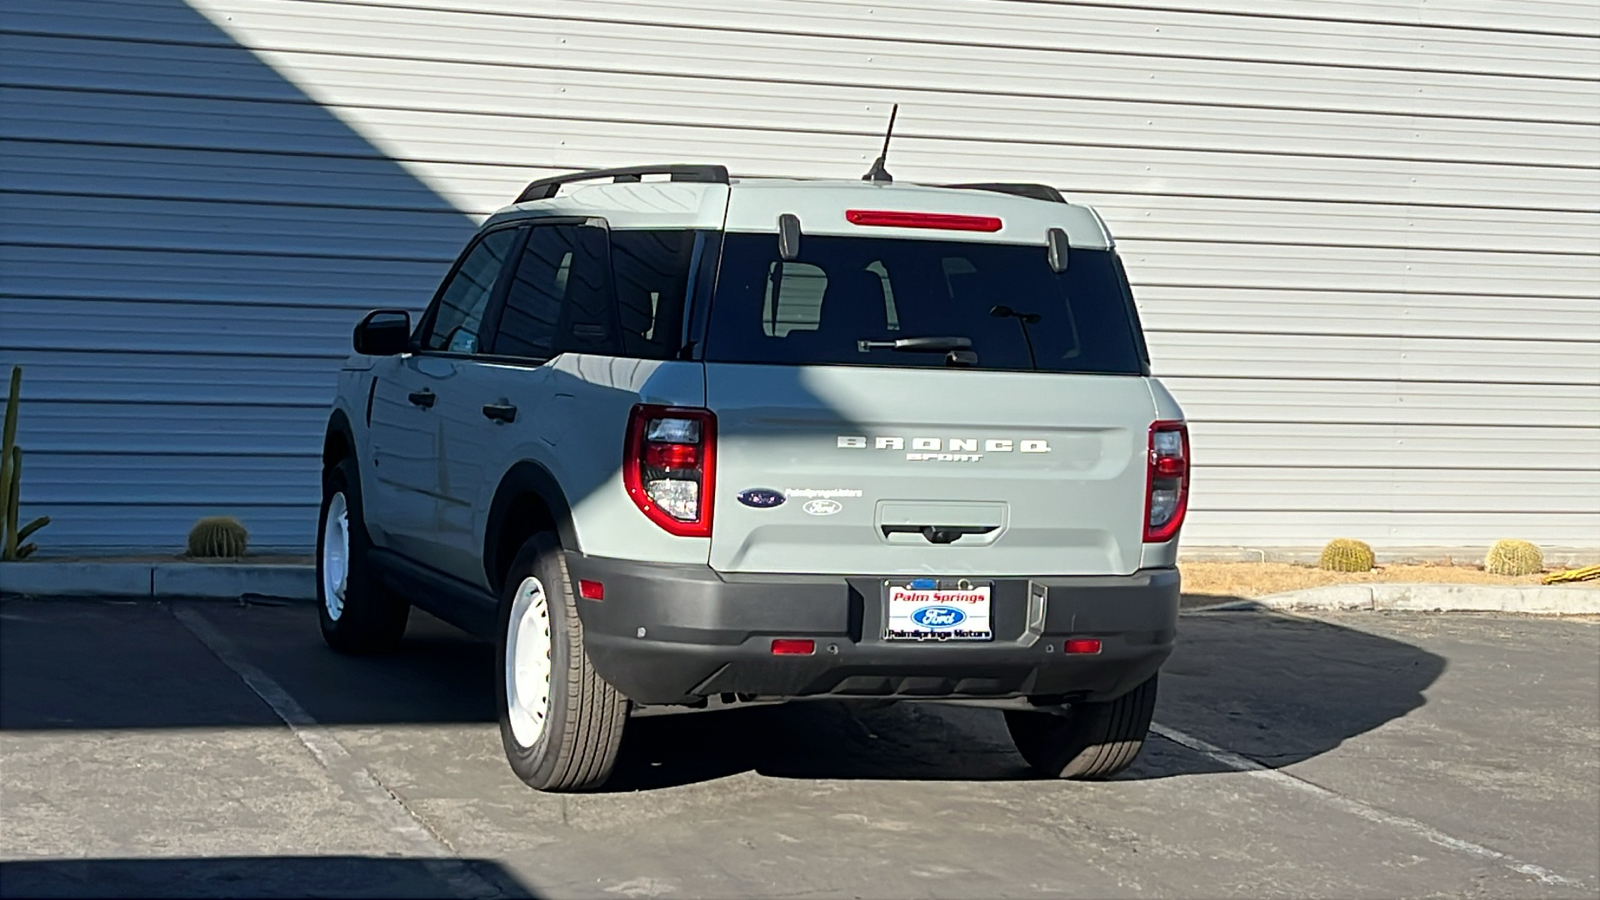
(253, 876)
(1277, 689)
(1274, 688)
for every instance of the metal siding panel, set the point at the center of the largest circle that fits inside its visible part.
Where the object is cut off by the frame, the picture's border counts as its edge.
(1420, 315)
(185, 241)
(1150, 33)
(1363, 234)
(1383, 491)
(1236, 398)
(1549, 447)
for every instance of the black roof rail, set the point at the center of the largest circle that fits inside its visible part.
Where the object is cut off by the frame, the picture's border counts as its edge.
(545, 188)
(1020, 189)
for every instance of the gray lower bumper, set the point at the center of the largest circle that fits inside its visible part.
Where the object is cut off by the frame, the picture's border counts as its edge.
(675, 634)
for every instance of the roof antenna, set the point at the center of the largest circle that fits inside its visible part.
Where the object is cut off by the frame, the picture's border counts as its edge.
(878, 173)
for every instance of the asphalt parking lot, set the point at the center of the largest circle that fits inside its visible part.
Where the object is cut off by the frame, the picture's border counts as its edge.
(207, 748)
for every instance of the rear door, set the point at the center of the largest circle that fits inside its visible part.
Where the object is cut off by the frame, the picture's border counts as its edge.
(1027, 460)
(554, 300)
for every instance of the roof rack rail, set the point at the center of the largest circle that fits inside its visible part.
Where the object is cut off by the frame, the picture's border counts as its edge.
(545, 188)
(1020, 189)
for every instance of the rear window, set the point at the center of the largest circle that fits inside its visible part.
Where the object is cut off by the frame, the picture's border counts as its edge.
(1004, 298)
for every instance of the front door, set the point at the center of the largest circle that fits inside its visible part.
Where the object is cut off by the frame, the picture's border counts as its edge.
(404, 433)
(416, 405)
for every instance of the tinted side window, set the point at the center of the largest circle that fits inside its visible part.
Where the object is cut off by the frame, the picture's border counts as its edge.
(458, 319)
(572, 293)
(560, 296)
(651, 270)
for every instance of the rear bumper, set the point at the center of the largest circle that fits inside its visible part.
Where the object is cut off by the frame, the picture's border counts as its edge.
(669, 634)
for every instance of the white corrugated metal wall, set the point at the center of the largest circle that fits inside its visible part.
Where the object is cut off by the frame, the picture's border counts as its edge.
(1365, 234)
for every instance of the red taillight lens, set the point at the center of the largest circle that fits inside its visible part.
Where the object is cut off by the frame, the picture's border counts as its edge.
(671, 456)
(943, 221)
(793, 647)
(591, 590)
(1081, 645)
(1166, 495)
(669, 466)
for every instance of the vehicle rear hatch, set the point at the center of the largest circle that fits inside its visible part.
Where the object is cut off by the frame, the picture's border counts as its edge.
(1010, 440)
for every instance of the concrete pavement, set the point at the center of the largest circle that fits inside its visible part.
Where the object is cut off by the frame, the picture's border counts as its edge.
(1359, 754)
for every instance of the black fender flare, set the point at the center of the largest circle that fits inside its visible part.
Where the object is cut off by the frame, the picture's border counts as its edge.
(338, 423)
(524, 478)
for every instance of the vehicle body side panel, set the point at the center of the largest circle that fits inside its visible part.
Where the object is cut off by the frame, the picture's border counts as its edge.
(572, 415)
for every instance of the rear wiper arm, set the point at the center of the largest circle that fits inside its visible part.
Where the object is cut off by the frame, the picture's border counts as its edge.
(918, 344)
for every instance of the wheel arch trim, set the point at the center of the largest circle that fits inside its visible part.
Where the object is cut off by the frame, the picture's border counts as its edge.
(338, 424)
(524, 479)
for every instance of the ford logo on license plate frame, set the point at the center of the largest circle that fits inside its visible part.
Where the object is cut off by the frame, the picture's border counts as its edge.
(938, 617)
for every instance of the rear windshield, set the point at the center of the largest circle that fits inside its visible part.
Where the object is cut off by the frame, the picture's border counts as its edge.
(843, 291)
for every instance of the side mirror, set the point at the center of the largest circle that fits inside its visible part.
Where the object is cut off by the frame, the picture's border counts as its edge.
(384, 332)
(1057, 239)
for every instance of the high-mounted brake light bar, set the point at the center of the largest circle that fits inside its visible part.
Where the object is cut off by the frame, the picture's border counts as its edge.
(545, 188)
(943, 221)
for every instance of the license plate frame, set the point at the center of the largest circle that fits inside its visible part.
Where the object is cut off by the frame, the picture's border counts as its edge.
(955, 610)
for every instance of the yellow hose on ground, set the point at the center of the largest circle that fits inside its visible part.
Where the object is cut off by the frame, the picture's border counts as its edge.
(1588, 573)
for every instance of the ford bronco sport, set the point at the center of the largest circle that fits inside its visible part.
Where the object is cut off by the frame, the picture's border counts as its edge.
(680, 440)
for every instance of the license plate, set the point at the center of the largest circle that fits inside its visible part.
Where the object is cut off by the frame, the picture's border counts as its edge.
(924, 610)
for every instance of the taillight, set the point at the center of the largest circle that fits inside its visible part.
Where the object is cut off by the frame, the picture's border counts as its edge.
(1166, 495)
(669, 464)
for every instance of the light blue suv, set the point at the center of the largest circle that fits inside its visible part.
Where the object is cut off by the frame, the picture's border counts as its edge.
(679, 440)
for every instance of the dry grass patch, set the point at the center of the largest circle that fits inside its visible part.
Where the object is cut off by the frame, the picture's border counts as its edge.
(1248, 579)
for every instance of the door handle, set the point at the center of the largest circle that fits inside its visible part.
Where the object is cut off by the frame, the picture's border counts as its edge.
(424, 398)
(500, 412)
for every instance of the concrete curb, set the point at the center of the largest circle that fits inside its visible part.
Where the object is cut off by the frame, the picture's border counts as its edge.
(1540, 600)
(1554, 556)
(168, 579)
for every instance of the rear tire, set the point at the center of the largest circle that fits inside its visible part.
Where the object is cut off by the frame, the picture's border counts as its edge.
(359, 615)
(560, 723)
(1089, 741)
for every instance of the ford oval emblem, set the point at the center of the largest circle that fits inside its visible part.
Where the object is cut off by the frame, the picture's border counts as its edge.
(823, 507)
(938, 617)
(761, 498)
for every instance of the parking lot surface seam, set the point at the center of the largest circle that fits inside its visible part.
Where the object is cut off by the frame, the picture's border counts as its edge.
(1355, 807)
(355, 778)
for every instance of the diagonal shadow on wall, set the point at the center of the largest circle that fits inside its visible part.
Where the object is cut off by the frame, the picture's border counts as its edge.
(185, 241)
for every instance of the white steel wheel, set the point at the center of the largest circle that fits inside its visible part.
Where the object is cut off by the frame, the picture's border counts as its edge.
(336, 556)
(527, 662)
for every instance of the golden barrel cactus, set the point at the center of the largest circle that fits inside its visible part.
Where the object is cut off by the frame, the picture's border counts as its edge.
(218, 537)
(1513, 558)
(1346, 555)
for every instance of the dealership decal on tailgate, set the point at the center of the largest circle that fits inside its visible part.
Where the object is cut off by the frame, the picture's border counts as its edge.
(921, 611)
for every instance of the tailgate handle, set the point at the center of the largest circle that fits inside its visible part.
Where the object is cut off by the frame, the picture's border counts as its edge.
(939, 534)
